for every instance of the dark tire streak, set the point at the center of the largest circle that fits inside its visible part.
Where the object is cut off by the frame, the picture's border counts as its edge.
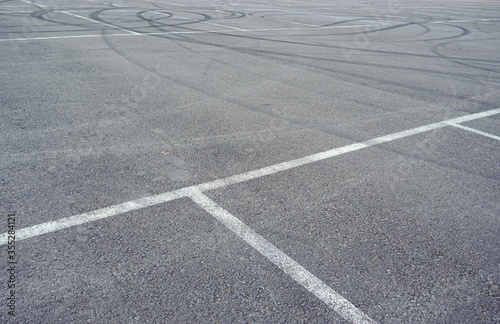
(295, 124)
(291, 59)
(462, 61)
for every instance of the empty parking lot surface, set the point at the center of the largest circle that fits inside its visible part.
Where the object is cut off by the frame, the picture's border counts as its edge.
(250, 161)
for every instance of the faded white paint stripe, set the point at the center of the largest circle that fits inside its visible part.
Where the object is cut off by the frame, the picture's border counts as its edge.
(165, 197)
(92, 216)
(300, 274)
(59, 37)
(100, 22)
(475, 131)
(337, 151)
(132, 33)
(35, 4)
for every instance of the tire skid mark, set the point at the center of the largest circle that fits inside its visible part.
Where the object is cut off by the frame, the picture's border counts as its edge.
(292, 121)
(283, 58)
(464, 61)
(280, 57)
(96, 15)
(476, 25)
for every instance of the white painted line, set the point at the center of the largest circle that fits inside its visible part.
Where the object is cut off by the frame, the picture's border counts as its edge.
(100, 22)
(185, 192)
(59, 37)
(376, 22)
(337, 151)
(173, 4)
(234, 30)
(475, 131)
(300, 274)
(473, 20)
(225, 26)
(242, 177)
(35, 4)
(104, 3)
(470, 117)
(194, 20)
(288, 22)
(92, 216)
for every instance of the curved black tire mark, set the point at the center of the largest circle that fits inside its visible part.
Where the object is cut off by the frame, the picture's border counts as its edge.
(464, 61)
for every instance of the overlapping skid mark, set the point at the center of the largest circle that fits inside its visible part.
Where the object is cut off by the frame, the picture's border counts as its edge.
(160, 18)
(168, 18)
(487, 65)
(162, 24)
(291, 59)
(141, 203)
(367, 24)
(491, 28)
(294, 59)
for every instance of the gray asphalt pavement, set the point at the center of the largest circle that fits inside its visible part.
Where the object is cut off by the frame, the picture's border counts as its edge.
(250, 161)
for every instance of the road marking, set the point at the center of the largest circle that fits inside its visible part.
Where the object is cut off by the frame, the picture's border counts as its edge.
(195, 20)
(60, 37)
(337, 151)
(300, 274)
(108, 3)
(221, 25)
(132, 33)
(100, 22)
(137, 204)
(34, 4)
(89, 19)
(174, 4)
(475, 131)
(473, 20)
(95, 215)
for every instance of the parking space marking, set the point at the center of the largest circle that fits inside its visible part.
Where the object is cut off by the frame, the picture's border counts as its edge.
(61, 37)
(100, 22)
(94, 215)
(337, 151)
(85, 18)
(132, 33)
(475, 131)
(300, 274)
(106, 3)
(137, 204)
(35, 4)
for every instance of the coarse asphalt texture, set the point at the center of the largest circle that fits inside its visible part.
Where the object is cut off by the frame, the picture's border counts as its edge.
(105, 104)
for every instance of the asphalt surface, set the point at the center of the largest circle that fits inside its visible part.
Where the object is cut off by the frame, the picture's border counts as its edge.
(104, 103)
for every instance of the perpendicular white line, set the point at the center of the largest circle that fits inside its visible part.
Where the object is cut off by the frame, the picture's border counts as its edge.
(300, 274)
(100, 22)
(95, 215)
(168, 196)
(475, 131)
